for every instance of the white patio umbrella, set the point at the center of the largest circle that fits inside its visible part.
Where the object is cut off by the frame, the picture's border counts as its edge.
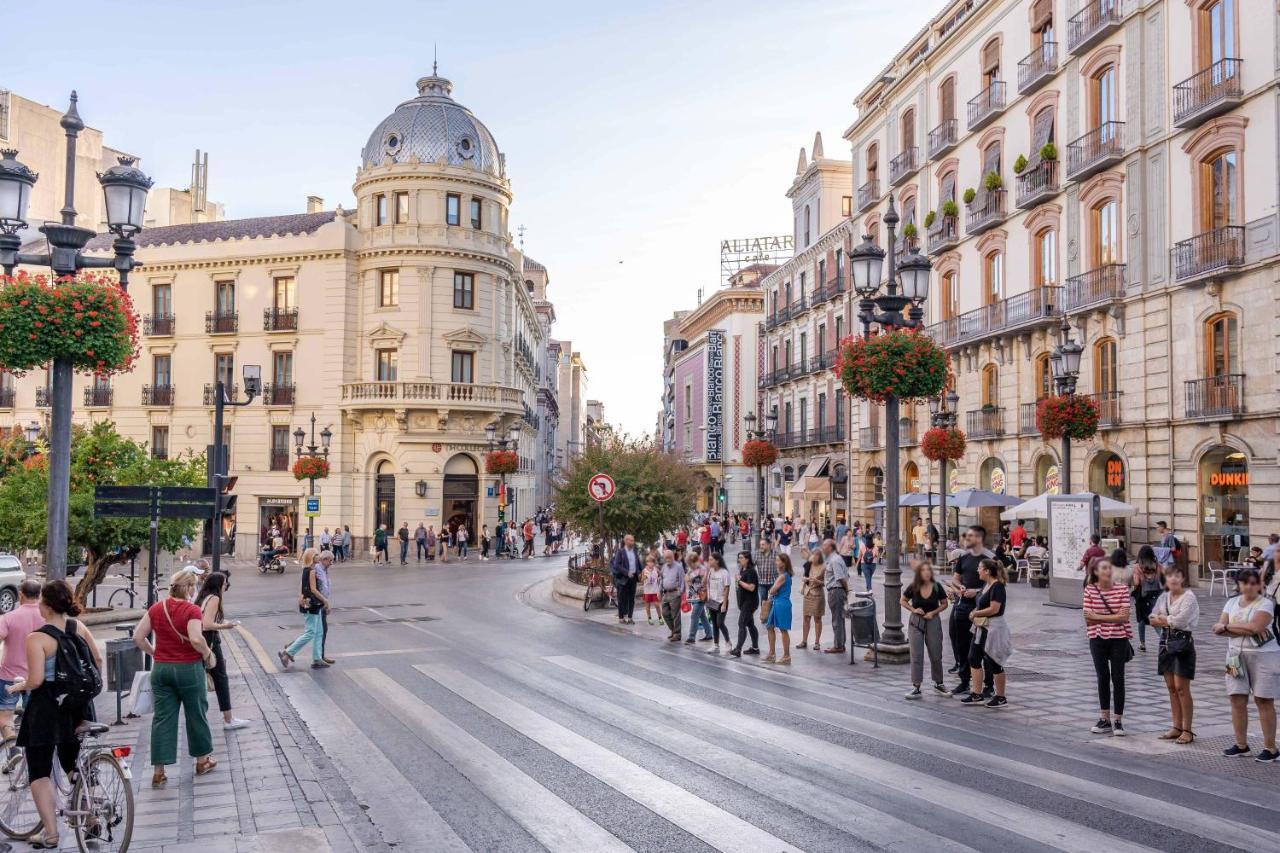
(1038, 507)
(973, 498)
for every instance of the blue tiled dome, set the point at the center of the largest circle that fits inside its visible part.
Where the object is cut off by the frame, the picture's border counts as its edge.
(431, 126)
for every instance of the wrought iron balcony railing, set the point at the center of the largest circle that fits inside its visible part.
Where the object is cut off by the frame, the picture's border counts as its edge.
(944, 234)
(1038, 306)
(868, 194)
(280, 320)
(1214, 90)
(1098, 149)
(157, 395)
(1027, 419)
(1208, 253)
(869, 438)
(1110, 406)
(1038, 184)
(986, 105)
(1215, 396)
(158, 325)
(97, 396)
(42, 397)
(986, 211)
(1037, 67)
(278, 394)
(1095, 287)
(1093, 23)
(943, 137)
(987, 422)
(904, 165)
(210, 393)
(221, 322)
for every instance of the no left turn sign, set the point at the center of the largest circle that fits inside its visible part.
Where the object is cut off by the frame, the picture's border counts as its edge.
(601, 487)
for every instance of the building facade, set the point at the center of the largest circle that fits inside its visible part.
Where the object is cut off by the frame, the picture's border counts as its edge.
(405, 326)
(1088, 160)
(807, 315)
(571, 388)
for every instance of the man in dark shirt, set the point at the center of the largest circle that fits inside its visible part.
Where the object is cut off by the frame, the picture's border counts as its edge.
(965, 586)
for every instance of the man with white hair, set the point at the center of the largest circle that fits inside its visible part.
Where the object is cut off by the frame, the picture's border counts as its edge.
(323, 562)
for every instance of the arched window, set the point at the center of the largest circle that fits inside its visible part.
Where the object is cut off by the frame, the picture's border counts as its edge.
(947, 99)
(908, 129)
(1216, 32)
(946, 188)
(993, 278)
(1104, 95)
(1042, 22)
(1043, 376)
(1222, 345)
(990, 385)
(1104, 366)
(1045, 262)
(991, 63)
(1104, 228)
(1220, 190)
(950, 295)
(991, 159)
(873, 161)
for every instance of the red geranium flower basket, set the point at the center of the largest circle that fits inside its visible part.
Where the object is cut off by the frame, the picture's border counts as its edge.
(902, 363)
(760, 453)
(502, 462)
(310, 468)
(1071, 416)
(87, 319)
(938, 444)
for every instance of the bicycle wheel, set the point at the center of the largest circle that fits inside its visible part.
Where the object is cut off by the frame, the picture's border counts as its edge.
(586, 599)
(18, 817)
(124, 593)
(104, 799)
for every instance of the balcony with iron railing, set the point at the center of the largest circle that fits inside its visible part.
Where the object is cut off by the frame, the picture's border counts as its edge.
(1038, 184)
(158, 325)
(211, 394)
(868, 194)
(904, 246)
(280, 320)
(1093, 23)
(987, 422)
(986, 105)
(944, 234)
(42, 397)
(221, 322)
(1027, 418)
(1039, 306)
(157, 395)
(869, 438)
(986, 211)
(279, 394)
(943, 137)
(833, 289)
(1216, 396)
(1095, 287)
(778, 317)
(97, 396)
(8, 397)
(904, 165)
(279, 460)
(1211, 253)
(1100, 148)
(908, 432)
(1211, 92)
(1037, 67)
(1110, 405)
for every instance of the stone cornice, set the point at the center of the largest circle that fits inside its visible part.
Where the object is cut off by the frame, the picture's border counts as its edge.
(222, 263)
(423, 252)
(719, 306)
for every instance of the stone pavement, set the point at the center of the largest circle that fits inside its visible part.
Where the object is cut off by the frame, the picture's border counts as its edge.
(272, 792)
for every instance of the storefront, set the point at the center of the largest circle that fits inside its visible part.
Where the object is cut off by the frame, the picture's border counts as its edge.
(910, 483)
(1109, 477)
(992, 477)
(1224, 504)
(1048, 476)
(280, 513)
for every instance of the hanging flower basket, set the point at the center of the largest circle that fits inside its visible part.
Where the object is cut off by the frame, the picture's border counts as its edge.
(1072, 416)
(502, 462)
(310, 468)
(759, 453)
(904, 363)
(939, 444)
(87, 319)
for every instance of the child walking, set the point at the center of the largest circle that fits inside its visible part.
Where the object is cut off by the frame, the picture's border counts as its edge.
(651, 578)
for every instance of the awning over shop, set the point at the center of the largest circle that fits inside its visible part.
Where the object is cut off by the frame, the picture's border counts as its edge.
(815, 485)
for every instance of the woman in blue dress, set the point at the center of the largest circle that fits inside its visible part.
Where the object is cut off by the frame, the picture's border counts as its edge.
(780, 611)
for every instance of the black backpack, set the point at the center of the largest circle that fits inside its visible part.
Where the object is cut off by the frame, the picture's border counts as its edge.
(76, 679)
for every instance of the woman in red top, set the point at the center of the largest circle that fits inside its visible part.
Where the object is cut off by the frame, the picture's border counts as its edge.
(177, 679)
(1106, 622)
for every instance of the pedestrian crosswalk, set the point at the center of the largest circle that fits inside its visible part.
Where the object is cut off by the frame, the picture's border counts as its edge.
(665, 751)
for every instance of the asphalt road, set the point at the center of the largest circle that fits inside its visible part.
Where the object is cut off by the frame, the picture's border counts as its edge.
(470, 712)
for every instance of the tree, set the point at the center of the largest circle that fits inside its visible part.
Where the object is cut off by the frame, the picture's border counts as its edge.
(99, 456)
(656, 490)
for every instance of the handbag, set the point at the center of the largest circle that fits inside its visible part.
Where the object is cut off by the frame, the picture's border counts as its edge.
(766, 607)
(1127, 643)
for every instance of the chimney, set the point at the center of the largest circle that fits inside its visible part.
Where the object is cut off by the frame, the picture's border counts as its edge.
(315, 204)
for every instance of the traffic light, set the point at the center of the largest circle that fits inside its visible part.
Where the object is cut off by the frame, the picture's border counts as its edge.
(227, 497)
(722, 497)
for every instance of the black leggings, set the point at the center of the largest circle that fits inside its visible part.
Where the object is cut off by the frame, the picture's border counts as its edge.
(717, 623)
(40, 758)
(1109, 657)
(221, 685)
(747, 624)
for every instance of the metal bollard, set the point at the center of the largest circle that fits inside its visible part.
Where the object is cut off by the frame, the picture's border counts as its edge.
(119, 687)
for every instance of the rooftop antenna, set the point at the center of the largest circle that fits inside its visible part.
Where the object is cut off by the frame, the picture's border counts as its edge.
(434, 57)
(520, 231)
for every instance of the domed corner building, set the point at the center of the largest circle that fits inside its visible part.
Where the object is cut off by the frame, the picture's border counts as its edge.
(406, 327)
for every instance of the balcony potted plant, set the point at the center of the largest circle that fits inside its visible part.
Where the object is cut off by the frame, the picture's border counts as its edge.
(1019, 164)
(992, 182)
(86, 319)
(950, 208)
(929, 218)
(969, 195)
(909, 233)
(1049, 152)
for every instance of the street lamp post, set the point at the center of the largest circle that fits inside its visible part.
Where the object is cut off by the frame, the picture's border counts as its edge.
(904, 289)
(125, 189)
(766, 434)
(314, 451)
(510, 442)
(1065, 365)
(252, 386)
(943, 414)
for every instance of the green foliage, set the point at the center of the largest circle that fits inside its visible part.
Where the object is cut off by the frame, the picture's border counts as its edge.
(910, 231)
(969, 195)
(992, 182)
(950, 208)
(1048, 151)
(87, 320)
(656, 490)
(1019, 164)
(99, 456)
(929, 218)
(903, 363)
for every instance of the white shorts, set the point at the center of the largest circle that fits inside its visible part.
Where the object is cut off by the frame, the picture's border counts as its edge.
(1259, 675)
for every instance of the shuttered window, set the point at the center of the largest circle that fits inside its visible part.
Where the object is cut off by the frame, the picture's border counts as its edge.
(908, 129)
(991, 60)
(948, 189)
(1041, 133)
(1041, 14)
(947, 98)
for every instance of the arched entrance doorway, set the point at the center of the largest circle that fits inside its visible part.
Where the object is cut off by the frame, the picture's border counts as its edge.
(1109, 476)
(461, 493)
(910, 483)
(384, 497)
(1048, 478)
(992, 477)
(1224, 504)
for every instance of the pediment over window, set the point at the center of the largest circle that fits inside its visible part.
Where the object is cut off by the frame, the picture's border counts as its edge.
(465, 338)
(384, 334)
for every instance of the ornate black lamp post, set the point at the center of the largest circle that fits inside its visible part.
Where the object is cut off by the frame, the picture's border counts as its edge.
(125, 188)
(769, 424)
(904, 289)
(314, 451)
(511, 442)
(1065, 365)
(943, 414)
(218, 477)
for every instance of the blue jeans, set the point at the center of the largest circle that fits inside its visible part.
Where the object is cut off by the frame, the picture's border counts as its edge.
(868, 572)
(313, 633)
(699, 619)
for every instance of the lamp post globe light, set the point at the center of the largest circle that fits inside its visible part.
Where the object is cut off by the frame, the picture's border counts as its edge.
(943, 413)
(904, 289)
(125, 188)
(314, 451)
(1064, 363)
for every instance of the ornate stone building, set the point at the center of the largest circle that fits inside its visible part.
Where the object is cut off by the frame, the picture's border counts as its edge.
(406, 326)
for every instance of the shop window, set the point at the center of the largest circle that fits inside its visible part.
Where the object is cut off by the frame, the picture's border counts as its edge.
(1224, 504)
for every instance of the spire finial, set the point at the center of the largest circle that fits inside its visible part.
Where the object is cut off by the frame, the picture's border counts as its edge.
(434, 57)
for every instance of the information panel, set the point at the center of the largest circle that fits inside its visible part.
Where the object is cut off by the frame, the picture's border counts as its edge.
(1072, 520)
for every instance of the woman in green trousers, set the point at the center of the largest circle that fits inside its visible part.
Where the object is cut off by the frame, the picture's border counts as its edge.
(178, 678)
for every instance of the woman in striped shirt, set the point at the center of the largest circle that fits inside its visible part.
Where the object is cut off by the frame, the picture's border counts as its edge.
(1106, 622)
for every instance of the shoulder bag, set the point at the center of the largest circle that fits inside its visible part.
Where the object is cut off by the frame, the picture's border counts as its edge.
(164, 605)
(1127, 643)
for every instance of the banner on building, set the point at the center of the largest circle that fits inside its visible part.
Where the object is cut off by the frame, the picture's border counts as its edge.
(715, 395)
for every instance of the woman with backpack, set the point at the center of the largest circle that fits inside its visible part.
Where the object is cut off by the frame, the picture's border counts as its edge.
(177, 680)
(214, 623)
(52, 716)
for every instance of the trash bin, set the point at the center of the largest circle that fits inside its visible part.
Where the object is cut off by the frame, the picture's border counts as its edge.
(123, 660)
(862, 620)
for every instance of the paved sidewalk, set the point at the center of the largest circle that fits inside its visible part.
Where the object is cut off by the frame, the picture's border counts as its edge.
(272, 792)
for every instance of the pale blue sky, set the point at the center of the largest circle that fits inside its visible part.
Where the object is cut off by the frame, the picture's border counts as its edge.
(642, 132)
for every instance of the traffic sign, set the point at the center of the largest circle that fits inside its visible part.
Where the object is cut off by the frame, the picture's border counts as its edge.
(601, 487)
(313, 506)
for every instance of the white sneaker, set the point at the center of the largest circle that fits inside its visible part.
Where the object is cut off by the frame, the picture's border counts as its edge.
(236, 723)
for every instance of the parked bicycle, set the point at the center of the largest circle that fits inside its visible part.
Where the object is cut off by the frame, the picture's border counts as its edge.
(96, 801)
(599, 590)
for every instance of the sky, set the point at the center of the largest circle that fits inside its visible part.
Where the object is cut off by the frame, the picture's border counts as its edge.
(638, 135)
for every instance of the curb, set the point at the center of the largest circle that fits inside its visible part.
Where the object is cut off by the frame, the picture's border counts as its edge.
(566, 591)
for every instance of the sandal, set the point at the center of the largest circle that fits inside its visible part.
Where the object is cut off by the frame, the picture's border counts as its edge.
(817, 648)
(768, 659)
(45, 843)
(1171, 734)
(786, 660)
(205, 765)
(804, 646)
(158, 778)
(1188, 736)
